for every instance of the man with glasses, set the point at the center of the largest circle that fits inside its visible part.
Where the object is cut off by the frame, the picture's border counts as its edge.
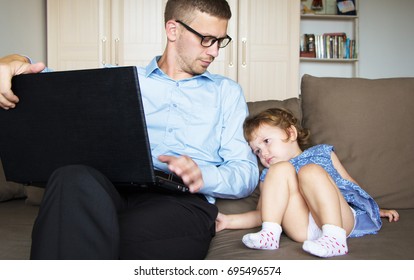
(194, 121)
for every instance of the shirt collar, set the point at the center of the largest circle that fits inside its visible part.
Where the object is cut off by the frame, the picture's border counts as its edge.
(152, 67)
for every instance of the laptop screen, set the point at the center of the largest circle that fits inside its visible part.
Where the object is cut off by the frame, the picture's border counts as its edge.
(93, 117)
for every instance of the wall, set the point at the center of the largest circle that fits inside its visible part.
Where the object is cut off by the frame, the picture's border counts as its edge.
(385, 34)
(23, 28)
(386, 38)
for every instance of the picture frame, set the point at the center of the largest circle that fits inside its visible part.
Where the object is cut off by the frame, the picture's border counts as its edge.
(346, 7)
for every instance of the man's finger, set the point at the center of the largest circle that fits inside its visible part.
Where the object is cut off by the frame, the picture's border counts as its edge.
(26, 68)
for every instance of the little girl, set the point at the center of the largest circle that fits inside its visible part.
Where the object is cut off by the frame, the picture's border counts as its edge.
(307, 193)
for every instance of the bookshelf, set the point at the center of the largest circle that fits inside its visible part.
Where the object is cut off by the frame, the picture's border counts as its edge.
(323, 61)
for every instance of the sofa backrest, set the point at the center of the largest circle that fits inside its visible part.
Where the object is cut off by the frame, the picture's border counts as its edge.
(371, 125)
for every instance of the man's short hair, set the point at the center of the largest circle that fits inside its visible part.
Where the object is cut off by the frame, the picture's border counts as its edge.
(184, 9)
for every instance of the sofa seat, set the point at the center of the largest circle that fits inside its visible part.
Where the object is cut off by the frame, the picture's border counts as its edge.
(16, 222)
(393, 242)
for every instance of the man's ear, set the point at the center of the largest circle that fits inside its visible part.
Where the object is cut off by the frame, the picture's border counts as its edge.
(293, 133)
(171, 30)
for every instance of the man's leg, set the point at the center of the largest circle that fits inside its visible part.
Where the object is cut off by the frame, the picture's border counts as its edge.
(164, 226)
(78, 217)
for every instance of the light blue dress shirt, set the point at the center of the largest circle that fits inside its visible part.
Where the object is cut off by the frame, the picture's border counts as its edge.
(200, 117)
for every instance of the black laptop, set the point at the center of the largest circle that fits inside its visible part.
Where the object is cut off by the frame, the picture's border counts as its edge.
(93, 117)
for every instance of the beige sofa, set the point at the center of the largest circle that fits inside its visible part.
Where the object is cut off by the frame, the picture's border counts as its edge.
(369, 122)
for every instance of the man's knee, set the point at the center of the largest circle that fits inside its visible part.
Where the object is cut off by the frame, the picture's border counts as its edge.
(75, 175)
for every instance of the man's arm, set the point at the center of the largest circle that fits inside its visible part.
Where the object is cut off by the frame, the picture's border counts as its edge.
(10, 66)
(238, 175)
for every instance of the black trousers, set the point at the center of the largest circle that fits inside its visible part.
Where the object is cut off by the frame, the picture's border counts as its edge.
(83, 216)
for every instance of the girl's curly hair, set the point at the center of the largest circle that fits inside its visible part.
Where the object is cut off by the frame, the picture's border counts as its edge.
(279, 117)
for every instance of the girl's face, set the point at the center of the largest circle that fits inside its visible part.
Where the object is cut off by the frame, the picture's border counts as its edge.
(271, 144)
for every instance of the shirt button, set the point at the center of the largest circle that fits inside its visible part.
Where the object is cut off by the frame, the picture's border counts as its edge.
(170, 130)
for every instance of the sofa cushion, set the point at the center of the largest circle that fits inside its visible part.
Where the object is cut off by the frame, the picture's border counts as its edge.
(292, 104)
(370, 124)
(9, 190)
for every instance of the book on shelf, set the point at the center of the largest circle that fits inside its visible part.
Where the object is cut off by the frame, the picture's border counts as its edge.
(308, 45)
(328, 46)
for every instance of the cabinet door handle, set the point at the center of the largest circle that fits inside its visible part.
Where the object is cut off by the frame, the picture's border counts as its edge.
(244, 49)
(117, 51)
(103, 51)
(231, 57)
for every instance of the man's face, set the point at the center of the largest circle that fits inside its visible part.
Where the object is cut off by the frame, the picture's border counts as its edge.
(193, 58)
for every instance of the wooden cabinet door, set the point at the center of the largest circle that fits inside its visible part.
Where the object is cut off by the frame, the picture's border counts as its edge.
(138, 32)
(76, 31)
(263, 56)
(91, 33)
(268, 48)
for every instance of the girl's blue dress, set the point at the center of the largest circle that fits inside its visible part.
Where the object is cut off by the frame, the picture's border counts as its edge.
(367, 220)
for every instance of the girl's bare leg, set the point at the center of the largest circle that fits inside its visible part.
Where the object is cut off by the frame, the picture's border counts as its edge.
(281, 204)
(329, 209)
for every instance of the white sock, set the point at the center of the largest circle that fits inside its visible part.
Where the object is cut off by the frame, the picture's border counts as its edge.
(266, 239)
(332, 243)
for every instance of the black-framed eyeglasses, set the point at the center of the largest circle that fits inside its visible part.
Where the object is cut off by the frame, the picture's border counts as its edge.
(208, 41)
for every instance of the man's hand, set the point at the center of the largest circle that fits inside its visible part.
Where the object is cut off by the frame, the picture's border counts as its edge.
(185, 168)
(10, 66)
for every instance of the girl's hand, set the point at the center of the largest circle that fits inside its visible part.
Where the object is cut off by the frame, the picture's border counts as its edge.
(392, 215)
(221, 222)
